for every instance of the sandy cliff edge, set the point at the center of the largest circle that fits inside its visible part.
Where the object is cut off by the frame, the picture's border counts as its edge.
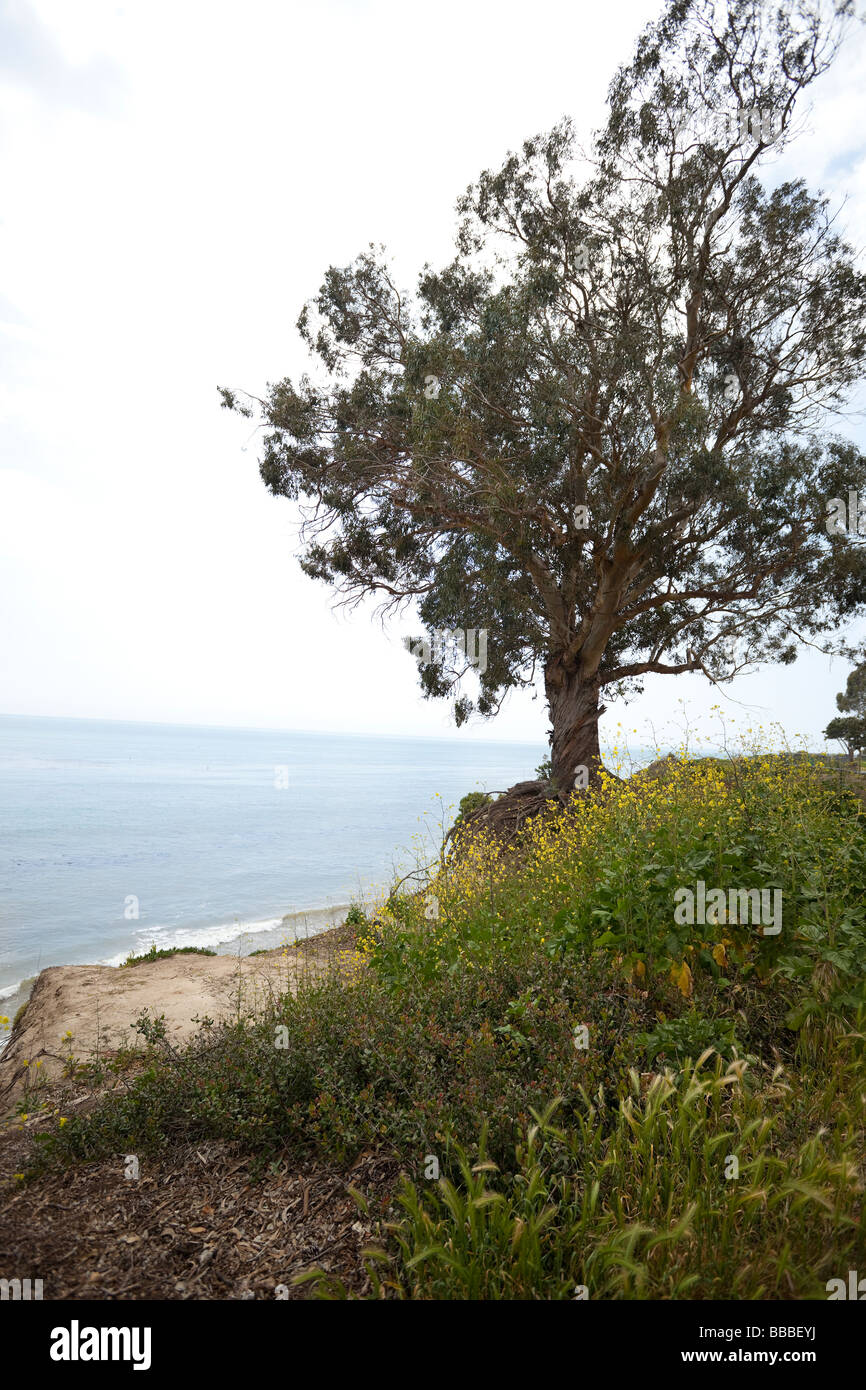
(98, 1004)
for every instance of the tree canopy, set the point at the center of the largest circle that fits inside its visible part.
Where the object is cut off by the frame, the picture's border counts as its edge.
(850, 728)
(599, 434)
(852, 700)
(850, 731)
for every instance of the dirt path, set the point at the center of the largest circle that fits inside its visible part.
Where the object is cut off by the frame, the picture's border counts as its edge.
(201, 1224)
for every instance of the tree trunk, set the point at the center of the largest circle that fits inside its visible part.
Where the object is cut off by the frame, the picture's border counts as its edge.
(574, 714)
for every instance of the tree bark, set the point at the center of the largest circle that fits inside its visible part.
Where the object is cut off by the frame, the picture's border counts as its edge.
(574, 706)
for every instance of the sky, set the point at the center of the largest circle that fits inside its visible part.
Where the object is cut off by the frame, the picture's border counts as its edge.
(175, 177)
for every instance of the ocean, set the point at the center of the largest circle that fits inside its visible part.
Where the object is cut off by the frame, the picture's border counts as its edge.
(117, 836)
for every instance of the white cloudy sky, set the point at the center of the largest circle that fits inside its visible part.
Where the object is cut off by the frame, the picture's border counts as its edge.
(175, 176)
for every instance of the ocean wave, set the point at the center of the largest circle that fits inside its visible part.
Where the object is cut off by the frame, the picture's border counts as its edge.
(8, 990)
(291, 926)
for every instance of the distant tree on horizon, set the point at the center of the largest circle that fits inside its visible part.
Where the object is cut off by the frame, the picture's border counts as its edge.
(850, 732)
(852, 700)
(598, 433)
(850, 729)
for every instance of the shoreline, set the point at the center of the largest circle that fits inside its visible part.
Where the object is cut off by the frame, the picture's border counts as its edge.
(266, 934)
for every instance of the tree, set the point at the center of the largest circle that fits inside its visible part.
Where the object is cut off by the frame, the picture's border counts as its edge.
(850, 732)
(853, 699)
(597, 432)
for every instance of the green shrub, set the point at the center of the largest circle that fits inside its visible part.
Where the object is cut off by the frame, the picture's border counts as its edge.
(414, 1069)
(472, 802)
(154, 954)
(687, 1037)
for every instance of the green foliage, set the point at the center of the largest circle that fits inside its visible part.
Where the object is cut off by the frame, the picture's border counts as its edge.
(413, 1066)
(644, 1206)
(154, 954)
(690, 1036)
(472, 802)
(540, 443)
(356, 916)
(853, 699)
(850, 730)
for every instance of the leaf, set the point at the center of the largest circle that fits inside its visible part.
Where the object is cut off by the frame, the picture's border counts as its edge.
(797, 1016)
(609, 938)
(720, 955)
(682, 978)
(811, 931)
(843, 960)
